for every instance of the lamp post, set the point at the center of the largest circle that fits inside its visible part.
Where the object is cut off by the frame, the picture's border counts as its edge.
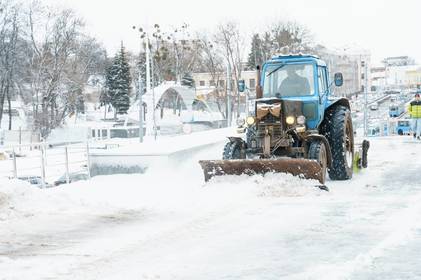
(139, 88)
(149, 78)
(229, 95)
(364, 65)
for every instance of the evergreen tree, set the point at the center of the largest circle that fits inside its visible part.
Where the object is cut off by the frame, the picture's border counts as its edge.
(255, 55)
(118, 83)
(261, 50)
(187, 80)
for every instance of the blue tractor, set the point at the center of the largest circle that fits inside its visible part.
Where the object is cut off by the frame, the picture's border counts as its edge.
(296, 127)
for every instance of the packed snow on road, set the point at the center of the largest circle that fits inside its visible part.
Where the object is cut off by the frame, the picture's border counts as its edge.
(169, 224)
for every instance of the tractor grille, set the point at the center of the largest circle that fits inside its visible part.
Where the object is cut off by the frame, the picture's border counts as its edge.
(275, 129)
(270, 119)
(272, 124)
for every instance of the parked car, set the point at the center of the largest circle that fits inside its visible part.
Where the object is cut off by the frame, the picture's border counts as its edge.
(404, 127)
(73, 177)
(374, 106)
(35, 181)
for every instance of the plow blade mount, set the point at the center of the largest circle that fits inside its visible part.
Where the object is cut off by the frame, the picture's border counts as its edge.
(308, 169)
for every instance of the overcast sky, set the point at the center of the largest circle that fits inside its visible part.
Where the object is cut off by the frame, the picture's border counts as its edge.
(384, 27)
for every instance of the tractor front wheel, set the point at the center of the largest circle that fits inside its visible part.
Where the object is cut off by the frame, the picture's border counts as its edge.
(340, 135)
(234, 150)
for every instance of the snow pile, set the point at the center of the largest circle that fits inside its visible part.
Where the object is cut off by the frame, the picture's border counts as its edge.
(20, 199)
(270, 185)
(157, 191)
(13, 197)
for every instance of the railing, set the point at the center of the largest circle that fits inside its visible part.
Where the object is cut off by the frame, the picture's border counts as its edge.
(41, 161)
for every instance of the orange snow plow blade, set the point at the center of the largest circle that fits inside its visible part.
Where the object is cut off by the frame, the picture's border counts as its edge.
(304, 168)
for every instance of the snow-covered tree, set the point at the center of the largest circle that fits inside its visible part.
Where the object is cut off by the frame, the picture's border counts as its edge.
(58, 59)
(118, 82)
(260, 50)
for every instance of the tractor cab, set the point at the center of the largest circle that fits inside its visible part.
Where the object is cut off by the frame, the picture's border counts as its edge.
(299, 78)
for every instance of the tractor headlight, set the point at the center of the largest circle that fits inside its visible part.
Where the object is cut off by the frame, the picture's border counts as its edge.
(301, 120)
(290, 120)
(240, 121)
(250, 121)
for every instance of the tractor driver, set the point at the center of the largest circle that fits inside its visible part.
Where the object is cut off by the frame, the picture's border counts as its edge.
(294, 84)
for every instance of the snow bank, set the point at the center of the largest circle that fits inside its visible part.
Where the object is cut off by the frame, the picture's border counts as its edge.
(19, 199)
(163, 188)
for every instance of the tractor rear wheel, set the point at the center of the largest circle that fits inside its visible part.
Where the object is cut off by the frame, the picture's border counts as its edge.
(317, 151)
(234, 150)
(340, 135)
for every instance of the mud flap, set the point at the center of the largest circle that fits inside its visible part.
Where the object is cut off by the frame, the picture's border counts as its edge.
(304, 168)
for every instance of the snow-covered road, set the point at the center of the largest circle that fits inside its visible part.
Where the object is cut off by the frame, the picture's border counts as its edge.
(168, 224)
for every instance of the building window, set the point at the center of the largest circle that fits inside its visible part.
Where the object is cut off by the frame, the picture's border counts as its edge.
(202, 83)
(221, 83)
(252, 83)
(212, 83)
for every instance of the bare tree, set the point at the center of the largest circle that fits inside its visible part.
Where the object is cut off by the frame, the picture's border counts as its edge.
(229, 39)
(279, 38)
(290, 37)
(60, 58)
(212, 62)
(9, 30)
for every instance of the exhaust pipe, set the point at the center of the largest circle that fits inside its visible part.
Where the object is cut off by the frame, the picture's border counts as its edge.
(259, 91)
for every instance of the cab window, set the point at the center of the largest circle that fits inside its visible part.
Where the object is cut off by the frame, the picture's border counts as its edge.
(322, 80)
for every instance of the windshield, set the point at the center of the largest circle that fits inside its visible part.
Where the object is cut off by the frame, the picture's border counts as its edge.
(288, 80)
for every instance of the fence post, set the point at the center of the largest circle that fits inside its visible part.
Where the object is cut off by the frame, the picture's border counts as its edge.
(42, 149)
(88, 160)
(15, 170)
(66, 151)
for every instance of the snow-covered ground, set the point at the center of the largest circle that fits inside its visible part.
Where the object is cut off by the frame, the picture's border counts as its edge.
(169, 224)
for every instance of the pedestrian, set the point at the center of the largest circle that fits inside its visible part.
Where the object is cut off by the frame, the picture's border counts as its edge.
(415, 113)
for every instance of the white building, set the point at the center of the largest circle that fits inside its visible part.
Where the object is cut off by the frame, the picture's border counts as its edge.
(351, 63)
(398, 76)
(205, 83)
(378, 78)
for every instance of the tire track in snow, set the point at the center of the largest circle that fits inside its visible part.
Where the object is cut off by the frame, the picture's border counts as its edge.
(191, 229)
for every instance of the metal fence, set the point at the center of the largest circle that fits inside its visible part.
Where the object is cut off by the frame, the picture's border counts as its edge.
(49, 165)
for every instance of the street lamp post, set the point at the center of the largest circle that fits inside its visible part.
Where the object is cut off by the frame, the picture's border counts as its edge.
(140, 107)
(364, 64)
(149, 87)
(228, 95)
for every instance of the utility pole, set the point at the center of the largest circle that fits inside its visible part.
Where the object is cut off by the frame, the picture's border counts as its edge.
(153, 99)
(140, 107)
(148, 69)
(364, 64)
(149, 86)
(229, 95)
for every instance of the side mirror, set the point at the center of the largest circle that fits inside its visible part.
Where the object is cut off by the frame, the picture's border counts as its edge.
(339, 79)
(241, 86)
